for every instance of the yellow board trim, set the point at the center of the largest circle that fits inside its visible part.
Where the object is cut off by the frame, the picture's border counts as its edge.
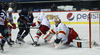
(52, 23)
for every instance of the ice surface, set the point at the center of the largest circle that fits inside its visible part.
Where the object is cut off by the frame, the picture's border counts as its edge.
(45, 49)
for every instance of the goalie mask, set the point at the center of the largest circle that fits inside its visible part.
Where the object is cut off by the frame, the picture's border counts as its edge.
(57, 21)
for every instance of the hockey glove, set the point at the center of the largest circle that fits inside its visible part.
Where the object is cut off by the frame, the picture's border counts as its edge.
(14, 26)
(9, 26)
(34, 24)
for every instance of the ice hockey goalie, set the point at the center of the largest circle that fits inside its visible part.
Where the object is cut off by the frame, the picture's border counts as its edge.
(64, 34)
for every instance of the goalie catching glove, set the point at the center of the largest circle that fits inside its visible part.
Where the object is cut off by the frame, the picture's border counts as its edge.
(57, 41)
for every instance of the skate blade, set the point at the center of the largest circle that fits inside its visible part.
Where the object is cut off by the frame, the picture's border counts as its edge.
(35, 44)
(18, 43)
(32, 43)
(2, 51)
(10, 45)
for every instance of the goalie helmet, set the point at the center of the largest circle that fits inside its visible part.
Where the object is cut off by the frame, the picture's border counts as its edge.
(57, 21)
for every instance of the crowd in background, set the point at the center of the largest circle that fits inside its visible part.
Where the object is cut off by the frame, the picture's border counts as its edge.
(79, 5)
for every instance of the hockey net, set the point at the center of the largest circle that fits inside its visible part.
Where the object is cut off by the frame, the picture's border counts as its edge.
(94, 28)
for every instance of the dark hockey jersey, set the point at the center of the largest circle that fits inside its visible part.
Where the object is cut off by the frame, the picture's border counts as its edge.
(24, 15)
(3, 17)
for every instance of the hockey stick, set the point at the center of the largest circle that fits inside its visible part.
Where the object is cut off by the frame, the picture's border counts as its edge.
(22, 27)
(55, 45)
(29, 27)
(30, 35)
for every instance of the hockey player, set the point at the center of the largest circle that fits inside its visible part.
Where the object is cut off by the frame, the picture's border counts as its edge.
(44, 26)
(24, 23)
(64, 34)
(3, 25)
(31, 18)
(9, 27)
(9, 16)
(0, 37)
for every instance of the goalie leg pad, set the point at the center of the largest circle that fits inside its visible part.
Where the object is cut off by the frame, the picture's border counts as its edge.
(83, 43)
(72, 35)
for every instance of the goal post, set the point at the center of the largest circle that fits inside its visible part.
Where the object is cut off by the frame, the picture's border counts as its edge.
(90, 29)
(94, 27)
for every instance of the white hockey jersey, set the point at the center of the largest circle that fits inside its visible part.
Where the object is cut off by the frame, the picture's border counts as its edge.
(10, 18)
(61, 31)
(42, 20)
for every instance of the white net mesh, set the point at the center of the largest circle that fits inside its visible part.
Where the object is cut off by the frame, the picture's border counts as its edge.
(95, 26)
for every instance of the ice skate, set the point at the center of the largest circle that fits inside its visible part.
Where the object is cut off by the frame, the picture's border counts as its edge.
(18, 41)
(45, 41)
(11, 41)
(35, 44)
(1, 48)
(22, 40)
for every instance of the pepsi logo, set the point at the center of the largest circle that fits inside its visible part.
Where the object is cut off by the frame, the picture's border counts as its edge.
(70, 16)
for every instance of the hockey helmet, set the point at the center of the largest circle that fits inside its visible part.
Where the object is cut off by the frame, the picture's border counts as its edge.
(30, 11)
(24, 12)
(57, 20)
(10, 9)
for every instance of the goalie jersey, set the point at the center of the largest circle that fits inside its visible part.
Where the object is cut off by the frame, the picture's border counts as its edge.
(62, 31)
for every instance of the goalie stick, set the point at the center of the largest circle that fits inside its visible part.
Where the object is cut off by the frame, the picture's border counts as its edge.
(47, 39)
(54, 44)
